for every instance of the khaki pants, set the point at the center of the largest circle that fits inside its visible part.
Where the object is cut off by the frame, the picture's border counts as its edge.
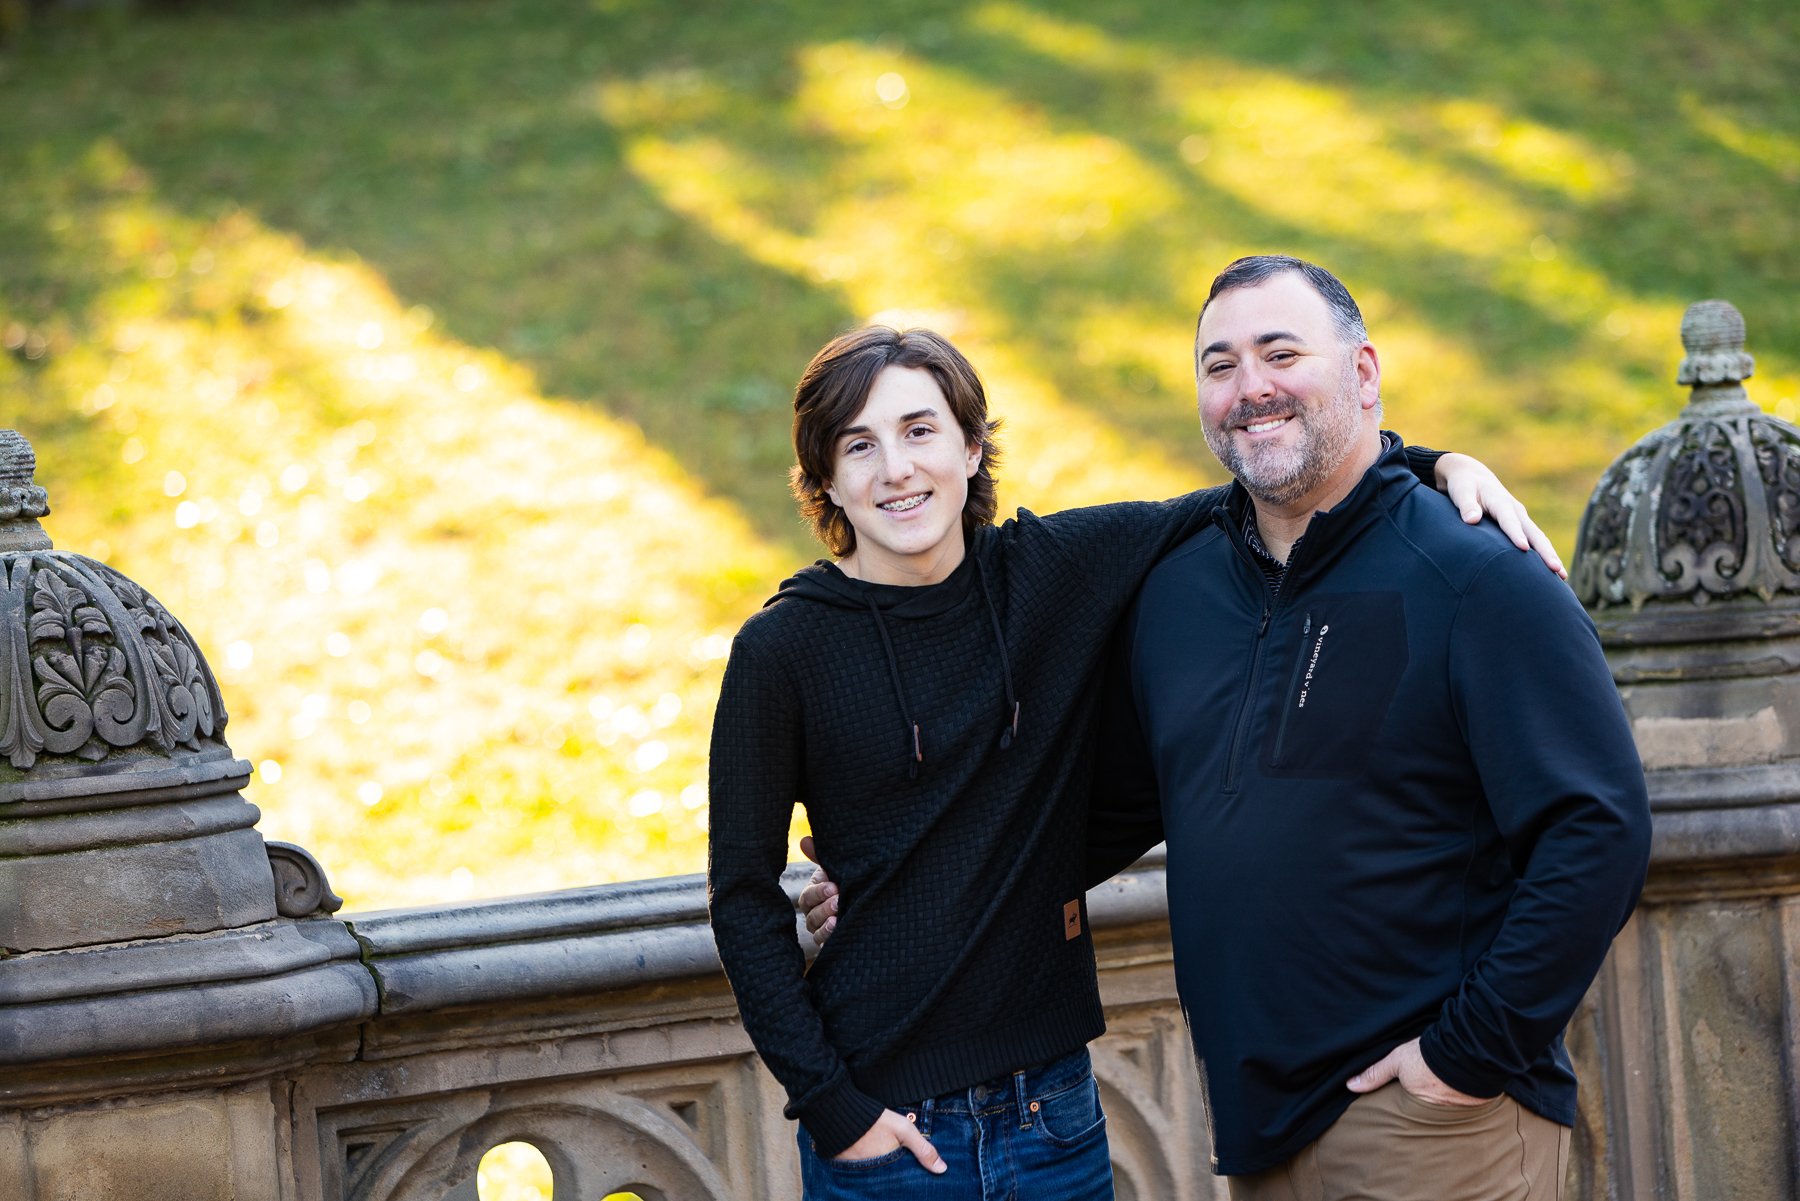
(1391, 1146)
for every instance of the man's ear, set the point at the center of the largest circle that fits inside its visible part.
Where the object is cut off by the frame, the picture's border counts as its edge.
(1368, 375)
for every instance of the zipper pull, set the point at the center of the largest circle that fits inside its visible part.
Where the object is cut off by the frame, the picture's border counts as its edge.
(1264, 624)
(1307, 628)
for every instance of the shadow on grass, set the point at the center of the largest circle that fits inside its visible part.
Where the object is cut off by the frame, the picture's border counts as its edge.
(466, 151)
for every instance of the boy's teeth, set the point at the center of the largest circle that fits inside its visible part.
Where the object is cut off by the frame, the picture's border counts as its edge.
(900, 506)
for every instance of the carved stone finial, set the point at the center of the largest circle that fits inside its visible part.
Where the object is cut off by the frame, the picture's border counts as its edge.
(1712, 333)
(90, 663)
(22, 502)
(1707, 507)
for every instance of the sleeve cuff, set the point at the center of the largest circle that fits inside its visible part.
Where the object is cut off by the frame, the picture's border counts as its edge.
(838, 1115)
(1462, 1076)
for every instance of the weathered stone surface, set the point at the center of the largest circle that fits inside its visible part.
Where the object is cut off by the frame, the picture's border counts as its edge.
(1726, 1047)
(98, 895)
(549, 945)
(202, 1147)
(1689, 1043)
(15, 1163)
(92, 665)
(133, 1000)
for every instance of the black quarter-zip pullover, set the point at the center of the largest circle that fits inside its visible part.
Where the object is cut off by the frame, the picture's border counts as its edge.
(1426, 817)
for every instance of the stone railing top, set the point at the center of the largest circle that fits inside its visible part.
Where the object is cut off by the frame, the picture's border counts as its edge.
(163, 995)
(607, 937)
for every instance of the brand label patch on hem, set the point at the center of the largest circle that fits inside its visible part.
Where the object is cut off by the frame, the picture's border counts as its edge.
(1072, 920)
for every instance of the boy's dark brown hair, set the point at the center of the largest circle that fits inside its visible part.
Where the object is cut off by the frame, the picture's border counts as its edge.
(832, 392)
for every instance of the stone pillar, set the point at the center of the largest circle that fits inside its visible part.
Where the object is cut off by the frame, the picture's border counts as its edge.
(1689, 561)
(153, 950)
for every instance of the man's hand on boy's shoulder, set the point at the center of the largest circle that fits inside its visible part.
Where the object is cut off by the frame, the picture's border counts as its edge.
(819, 900)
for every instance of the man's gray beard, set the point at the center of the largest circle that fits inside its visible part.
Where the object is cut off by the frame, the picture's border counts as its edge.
(1279, 476)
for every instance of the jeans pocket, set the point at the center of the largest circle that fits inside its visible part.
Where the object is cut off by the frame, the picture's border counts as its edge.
(866, 1165)
(1070, 1115)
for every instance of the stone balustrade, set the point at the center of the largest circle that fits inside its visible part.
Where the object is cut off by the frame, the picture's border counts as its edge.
(593, 1023)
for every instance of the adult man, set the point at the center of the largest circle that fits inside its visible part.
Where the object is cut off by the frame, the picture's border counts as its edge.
(1404, 812)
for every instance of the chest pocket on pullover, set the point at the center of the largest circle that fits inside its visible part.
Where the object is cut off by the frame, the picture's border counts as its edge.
(1352, 655)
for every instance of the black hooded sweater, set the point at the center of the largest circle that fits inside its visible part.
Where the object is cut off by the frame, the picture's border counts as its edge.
(962, 950)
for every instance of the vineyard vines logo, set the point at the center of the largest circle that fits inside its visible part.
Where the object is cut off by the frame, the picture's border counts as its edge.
(1312, 665)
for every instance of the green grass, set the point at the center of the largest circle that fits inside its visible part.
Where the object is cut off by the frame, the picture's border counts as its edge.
(468, 328)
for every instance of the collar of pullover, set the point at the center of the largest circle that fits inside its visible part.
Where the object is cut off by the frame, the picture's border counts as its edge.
(1330, 529)
(825, 583)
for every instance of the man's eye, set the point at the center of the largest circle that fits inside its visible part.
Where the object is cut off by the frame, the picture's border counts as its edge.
(1219, 368)
(1282, 356)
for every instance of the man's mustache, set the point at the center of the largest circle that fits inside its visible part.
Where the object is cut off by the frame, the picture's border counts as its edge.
(1249, 414)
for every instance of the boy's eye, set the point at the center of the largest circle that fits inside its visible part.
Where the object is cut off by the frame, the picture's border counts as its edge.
(856, 447)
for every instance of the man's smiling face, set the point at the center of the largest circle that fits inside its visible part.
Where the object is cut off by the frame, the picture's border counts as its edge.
(1282, 395)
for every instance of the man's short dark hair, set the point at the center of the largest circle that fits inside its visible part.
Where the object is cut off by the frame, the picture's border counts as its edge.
(832, 392)
(1253, 269)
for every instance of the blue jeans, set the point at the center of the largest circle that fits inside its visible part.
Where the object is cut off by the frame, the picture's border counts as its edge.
(1036, 1135)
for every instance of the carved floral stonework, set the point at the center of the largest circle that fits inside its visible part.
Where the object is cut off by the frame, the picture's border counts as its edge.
(1708, 506)
(1701, 525)
(91, 664)
(1778, 464)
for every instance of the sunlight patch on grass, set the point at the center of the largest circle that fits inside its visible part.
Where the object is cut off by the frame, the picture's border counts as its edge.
(902, 245)
(448, 612)
(703, 178)
(1072, 42)
(1533, 153)
(964, 158)
(1347, 175)
(912, 207)
(1778, 152)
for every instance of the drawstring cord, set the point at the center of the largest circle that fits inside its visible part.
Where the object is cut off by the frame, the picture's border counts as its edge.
(1011, 731)
(918, 739)
(915, 735)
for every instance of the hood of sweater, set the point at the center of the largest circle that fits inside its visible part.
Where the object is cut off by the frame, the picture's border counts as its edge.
(825, 583)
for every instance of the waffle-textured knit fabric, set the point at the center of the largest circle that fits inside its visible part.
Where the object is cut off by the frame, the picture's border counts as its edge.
(956, 957)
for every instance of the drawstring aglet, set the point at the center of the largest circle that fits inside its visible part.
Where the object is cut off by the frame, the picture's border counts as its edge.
(1011, 732)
